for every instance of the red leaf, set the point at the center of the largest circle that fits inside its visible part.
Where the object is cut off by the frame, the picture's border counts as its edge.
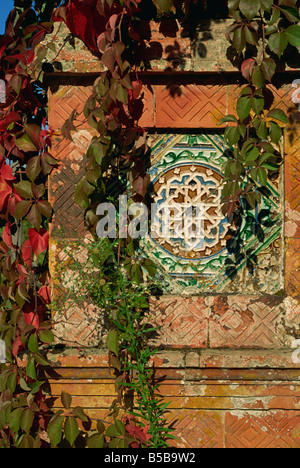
(247, 68)
(7, 235)
(17, 345)
(35, 313)
(27, 252)
(85, 22)
(39, 240)
(45, 294)
(5, 192)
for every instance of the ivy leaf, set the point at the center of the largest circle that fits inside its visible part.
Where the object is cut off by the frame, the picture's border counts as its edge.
(278, 42)
(268, 67)
(275, 132)
(243, 108)
(113, 431)
(247, 68)
(95, 441)
(278, 114)
(15, 420)
(24, 189)
(54, 429)
(227, 119)
(112, 342)
(258, 77)
(293, 35)
(46, 336)
(232, 135)
(26, 420)
(249, 8)
(66, 400)
(252, 198)
(24, 143)
(80, 414)
(239, 40)
(71, 429)
(263, 176)
(80, 197)
(33, 343)
(262, 131)
(34, 217)
(292, 14)
(22, 208)
(39, 240)
(233, 4)
(267, 5)
(33, 168)
(165, 6)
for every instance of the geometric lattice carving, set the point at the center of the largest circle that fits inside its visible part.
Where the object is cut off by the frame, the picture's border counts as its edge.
(272, 430)
(200, 255)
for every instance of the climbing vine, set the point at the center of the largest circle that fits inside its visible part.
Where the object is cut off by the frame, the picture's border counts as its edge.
(261, 35)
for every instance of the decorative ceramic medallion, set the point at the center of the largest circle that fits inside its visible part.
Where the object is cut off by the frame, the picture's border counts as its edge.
(201, 253)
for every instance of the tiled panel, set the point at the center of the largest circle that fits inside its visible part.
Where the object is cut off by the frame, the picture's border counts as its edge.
(186, 171)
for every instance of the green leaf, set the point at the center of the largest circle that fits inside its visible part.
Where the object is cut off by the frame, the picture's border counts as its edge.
(34, 216)
(112, 342)
(11, 382)
(257, 104)
(268, 67)
(267, 5)
(46, 336)
(252, 154)
(278, 114)
(80, 414)
(228, 118)
(33, 343)
(80, 197)
(33, 168)
(71, 429)
(243, 108)
(30, 369)
(66, 400)
(262, 131)
(54, 430)
(263, 176)
(258, 78)
(252, 198)
(275, 132)
(292, 14)
(24, 143)
(22, 209)
(232, 135)
(113, 431)
(278, 43)
(233, 4)
(293, 35)
(24, 189)
(249, 8)
(120, 427)
(96, 441)
(14, 420)
(26, 420)
(239, 40)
